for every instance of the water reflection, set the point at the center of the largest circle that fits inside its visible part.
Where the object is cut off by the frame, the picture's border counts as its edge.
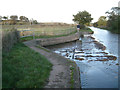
(109, 39)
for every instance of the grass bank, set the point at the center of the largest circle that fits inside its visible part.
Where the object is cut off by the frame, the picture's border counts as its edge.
(24, 68)
(117, 31)
(113, 31)
(47, 36)
(86, 30)
(65, 32)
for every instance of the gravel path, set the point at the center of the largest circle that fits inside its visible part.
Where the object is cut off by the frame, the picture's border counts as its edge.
(60, 74)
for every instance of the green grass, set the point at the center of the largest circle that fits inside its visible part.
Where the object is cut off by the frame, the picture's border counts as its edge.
(47, 32)
(46, 36)
(116, 31)
(24, 68)
(86, 30)
(43, 31)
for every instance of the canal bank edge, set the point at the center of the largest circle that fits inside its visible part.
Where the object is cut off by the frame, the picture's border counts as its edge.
(74, 71)
(58, 40)
(72, 78)
(64, 74)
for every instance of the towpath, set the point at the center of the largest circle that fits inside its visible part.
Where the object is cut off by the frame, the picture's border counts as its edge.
(60, 75)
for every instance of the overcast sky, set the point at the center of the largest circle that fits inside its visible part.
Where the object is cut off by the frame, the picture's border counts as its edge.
(55, 10)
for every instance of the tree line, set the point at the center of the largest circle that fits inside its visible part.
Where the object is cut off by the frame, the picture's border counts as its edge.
(14, 19)
(111, 21)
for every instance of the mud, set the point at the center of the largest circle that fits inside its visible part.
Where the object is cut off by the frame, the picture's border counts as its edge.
(97, 44)
(79, 59)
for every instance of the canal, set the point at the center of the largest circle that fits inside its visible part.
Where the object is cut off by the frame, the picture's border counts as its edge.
(97, 57)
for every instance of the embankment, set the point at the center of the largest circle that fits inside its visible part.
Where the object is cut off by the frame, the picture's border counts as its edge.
(58, 40)
(64, 74)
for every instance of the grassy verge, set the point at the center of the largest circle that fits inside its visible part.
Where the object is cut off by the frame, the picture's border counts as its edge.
(115, 31)
(71, 75)
(24, 68)
(86, 30)
(46, 36)
(111, 30)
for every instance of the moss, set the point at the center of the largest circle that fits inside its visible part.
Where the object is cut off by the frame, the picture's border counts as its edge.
(72, 75)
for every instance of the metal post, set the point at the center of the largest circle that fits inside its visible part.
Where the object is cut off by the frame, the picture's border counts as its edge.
(73, 54)
(33, 35)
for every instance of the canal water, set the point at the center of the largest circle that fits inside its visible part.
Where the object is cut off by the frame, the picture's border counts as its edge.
(97, 57)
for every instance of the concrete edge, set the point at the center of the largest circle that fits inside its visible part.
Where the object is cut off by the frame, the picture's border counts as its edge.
(76, 71)
(77, 76)
(58, 40)
(52, 41)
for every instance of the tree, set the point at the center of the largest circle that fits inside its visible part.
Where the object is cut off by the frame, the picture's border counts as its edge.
(14, 17)
(113, 19)
(95, 24)
(102, 21)
(35, 22)
(23, 18)
(114, 11)
(82, 18)
(5, 17)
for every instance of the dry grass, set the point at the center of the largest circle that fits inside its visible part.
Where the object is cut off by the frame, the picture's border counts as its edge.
(51, 30)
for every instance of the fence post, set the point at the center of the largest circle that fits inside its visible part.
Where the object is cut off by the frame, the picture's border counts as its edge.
(33, 35)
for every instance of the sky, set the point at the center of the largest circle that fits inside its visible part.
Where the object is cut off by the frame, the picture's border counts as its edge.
(55, 10)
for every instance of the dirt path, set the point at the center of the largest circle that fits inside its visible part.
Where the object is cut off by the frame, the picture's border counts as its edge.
(60, 75)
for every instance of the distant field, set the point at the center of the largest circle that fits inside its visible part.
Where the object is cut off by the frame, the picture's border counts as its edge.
(54, 30)
(42, 30)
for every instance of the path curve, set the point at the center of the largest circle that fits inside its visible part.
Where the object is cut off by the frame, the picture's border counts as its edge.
(60, 74)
